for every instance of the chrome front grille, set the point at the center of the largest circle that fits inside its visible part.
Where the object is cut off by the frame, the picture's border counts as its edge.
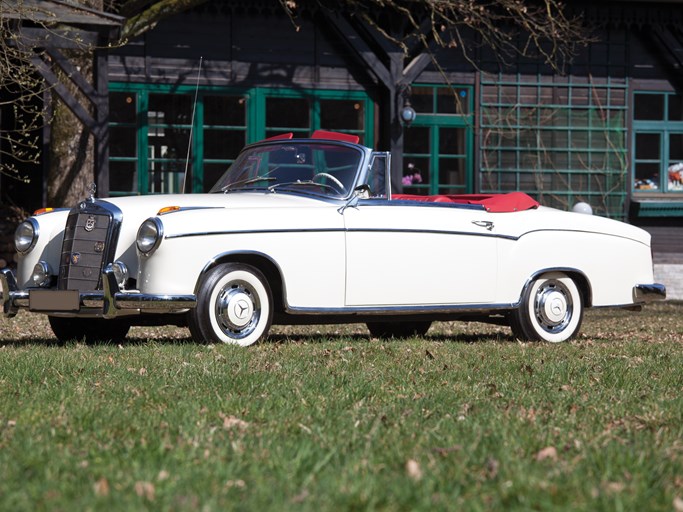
(90, 238)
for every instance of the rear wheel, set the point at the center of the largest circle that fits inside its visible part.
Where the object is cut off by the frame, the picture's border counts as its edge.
(234, 305)
(89, 330)
(398, 329)
(551, 310)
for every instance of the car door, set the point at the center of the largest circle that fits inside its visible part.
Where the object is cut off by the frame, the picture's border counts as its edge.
(402, 254)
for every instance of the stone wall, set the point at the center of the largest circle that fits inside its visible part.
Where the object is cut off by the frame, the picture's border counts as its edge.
(670, 275)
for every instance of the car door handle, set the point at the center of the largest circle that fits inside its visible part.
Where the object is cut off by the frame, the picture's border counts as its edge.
(483, 224)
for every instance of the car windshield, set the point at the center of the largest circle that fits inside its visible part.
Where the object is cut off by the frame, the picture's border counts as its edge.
(324, 168)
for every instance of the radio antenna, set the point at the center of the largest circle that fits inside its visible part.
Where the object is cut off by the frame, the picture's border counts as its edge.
(189, 142)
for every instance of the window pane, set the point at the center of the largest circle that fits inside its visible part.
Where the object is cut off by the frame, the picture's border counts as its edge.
(675, 107)
(675, 170)
(451, 141)
(451, 172)
(225, 110)
(422, 99)
(122, 141)
(415, 173)
(122, 107)
(122, 177)
(649, 107)
(452, 101)
(167, 161)
(647, 146)
(416, 140)
(287, 113)
(341, 115)
(223, 144)
(170, 108)
(211, 174)
(647, 176)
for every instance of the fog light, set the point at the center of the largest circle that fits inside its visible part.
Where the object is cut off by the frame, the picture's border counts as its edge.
(120, 272)
(42, 274)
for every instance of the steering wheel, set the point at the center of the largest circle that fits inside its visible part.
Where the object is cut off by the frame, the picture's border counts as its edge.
(336, 181)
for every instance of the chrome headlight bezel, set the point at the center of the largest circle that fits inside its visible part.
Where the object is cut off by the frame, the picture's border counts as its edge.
(150, 234)
(26, 236)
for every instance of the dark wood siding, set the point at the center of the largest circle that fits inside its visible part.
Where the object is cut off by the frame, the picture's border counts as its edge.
(238, 49)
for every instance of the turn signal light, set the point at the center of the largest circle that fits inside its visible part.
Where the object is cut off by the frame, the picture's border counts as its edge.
(168, 209)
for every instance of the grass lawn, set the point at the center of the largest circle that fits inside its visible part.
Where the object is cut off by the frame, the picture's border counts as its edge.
(325, 418)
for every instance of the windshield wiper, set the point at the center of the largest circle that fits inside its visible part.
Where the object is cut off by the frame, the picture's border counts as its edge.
(248, 181)
(302, 182)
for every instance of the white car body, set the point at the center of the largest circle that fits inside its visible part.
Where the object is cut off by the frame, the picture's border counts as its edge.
(306, 251)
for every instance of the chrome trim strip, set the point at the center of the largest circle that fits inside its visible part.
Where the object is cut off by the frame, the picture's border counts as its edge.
(649, 292)
(338, 230)
(401, 310)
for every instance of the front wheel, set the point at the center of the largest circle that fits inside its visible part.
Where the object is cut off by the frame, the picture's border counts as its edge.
(234, 305)
(551, 310)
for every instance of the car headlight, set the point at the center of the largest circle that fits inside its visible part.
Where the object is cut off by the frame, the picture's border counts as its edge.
(149, 236)
(26, 236)
(42, 274)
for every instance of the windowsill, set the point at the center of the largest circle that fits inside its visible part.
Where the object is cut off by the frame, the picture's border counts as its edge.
(657, 204)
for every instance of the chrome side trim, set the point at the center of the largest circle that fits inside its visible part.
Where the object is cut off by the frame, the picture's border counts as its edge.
(649, 292)
(401, 310)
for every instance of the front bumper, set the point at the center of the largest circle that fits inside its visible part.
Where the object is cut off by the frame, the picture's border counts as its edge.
(109, 303)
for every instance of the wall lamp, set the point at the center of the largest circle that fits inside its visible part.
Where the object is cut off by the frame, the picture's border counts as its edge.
(407, 111)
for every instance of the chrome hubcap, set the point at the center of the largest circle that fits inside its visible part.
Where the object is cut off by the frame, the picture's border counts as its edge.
(237, 309)
(553, 306)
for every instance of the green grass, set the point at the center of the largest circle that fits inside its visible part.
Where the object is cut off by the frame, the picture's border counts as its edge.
(325, 418)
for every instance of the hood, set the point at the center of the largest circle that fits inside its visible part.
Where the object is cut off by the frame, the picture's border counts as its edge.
(151, 204)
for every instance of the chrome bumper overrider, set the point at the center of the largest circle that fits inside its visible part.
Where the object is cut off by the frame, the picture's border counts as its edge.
(108, 302)
(649, 292)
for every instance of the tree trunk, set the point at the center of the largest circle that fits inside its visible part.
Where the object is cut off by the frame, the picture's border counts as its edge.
(72, 147)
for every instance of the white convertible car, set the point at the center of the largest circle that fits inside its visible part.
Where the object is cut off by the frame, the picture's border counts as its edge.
(307, 231)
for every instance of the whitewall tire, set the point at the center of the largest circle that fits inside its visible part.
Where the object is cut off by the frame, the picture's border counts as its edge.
(551, 310)
(234, 305)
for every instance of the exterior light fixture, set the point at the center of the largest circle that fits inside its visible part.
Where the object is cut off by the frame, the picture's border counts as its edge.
(407, 112)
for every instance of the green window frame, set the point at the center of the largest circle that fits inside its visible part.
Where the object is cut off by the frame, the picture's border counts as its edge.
(439, 143)
(657, 141)
(141, 160)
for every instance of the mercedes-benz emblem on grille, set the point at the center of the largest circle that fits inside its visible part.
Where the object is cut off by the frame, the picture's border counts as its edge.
(90, 223)
(75, 258)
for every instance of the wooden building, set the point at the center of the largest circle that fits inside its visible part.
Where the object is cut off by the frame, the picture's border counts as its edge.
(187, 95)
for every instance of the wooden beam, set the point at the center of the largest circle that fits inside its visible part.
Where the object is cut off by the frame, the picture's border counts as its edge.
(353, 39)
(74, 75)
(414, 68)
(60, 89)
